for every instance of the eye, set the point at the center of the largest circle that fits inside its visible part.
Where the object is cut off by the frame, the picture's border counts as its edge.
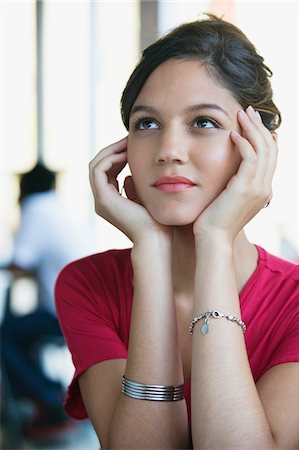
(145, 124)
(205, 122)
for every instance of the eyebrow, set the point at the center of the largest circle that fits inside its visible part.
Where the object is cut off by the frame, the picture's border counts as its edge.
(193, 108)
(214, 106)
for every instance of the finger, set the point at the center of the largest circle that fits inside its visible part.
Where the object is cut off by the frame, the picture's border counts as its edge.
(250, 130)
(256, 131)
(269, 136)
(247, 168)
(269, 151)
(116, 147)
(263, 144)
(117, 167)
(104, 173)
(248, 184)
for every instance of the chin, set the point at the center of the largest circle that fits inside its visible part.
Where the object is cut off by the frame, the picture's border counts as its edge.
(175, 216)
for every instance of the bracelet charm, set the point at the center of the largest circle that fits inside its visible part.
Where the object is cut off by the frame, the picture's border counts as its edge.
(215, 314)
(206, 327)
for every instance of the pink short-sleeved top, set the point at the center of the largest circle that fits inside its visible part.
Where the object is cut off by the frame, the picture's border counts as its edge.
(94, 302)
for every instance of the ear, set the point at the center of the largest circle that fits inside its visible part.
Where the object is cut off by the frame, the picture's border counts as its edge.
(274, 136)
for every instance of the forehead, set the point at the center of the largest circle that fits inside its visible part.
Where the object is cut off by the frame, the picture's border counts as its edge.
(179, 83)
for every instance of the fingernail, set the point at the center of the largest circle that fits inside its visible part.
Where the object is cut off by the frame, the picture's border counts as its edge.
(243, 114)
(250, 109)
(258, 115)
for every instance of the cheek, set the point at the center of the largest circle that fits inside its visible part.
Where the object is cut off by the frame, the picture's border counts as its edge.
(135, 152)
(132, 155)
(138, 167)
(220, 157)
(139, 154)
(135, 162)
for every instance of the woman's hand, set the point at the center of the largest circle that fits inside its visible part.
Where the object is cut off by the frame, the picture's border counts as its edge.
(128, 215)
(250, 189)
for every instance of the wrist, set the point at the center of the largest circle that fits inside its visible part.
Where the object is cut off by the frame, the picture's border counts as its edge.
(213, 239)
(156, 246)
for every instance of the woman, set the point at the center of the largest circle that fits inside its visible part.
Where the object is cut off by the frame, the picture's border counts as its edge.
(193, 299)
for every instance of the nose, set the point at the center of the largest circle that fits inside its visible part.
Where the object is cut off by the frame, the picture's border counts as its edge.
(172, 148)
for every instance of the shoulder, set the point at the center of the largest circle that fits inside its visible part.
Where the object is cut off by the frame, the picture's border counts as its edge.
(98, 266)
(283, 274)
(117, 256)
(94, 274)
(116, 260)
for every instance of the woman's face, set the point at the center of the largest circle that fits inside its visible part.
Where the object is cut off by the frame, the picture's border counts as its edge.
(180, 126)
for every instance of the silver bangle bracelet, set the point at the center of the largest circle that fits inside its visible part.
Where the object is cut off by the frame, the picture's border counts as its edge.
(215, 315)
(152, 392)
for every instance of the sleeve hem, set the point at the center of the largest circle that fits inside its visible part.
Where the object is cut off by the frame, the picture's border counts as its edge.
(74, 405)
(276, 362)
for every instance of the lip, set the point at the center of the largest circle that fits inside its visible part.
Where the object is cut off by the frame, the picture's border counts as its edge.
(173, 183)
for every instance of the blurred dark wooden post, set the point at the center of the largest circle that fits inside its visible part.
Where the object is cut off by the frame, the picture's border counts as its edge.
(148, 22)
(40, 78)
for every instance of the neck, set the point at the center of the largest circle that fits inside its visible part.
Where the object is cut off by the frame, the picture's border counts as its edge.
(183, 262)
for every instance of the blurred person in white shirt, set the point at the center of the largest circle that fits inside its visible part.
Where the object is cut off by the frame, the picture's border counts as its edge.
(47, 239)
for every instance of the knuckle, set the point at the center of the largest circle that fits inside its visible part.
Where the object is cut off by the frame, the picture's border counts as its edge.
(256, 192)
(96, 171)
(243, 189)
(265, 195)
(252, 158)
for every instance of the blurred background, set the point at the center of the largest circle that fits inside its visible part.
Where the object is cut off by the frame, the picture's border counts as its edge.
(64, 66)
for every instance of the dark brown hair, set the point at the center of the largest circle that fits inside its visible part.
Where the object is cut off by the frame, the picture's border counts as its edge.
(229, 56)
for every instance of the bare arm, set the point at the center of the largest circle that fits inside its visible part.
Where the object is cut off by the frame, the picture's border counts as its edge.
(228, 410)
(153, 358)
(153, 355)
(225, 397)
